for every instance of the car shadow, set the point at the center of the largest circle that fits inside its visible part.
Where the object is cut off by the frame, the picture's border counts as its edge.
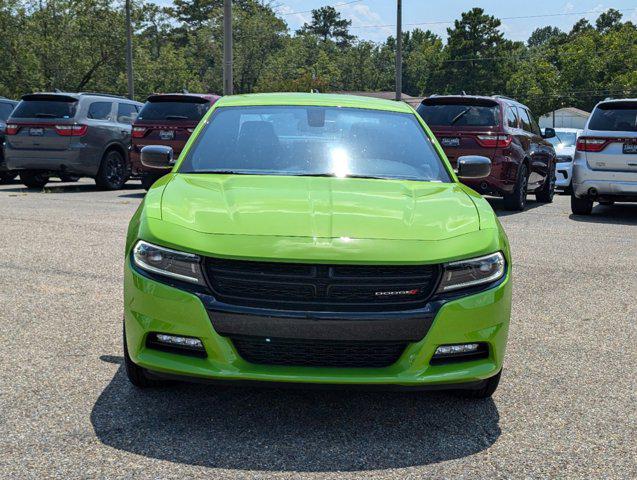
(133, 195)
(618, 214)
(66, 187)
(290, 430)
(498, 206)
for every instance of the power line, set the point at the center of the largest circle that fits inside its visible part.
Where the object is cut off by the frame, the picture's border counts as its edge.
(310, 11)
(446, 22)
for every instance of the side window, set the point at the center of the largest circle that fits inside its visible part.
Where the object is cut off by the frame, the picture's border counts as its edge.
(534, 126)
(126, 113)
(99, 110)
(512, 117)
(525, 120)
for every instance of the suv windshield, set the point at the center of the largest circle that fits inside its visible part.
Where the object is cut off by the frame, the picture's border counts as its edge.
(564, 139)
(615, 117)
(45, 108)
(173, 110)
(315, 141)
(459, 114)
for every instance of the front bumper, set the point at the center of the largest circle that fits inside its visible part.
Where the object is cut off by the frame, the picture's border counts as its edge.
(151, 306)
(563, 174)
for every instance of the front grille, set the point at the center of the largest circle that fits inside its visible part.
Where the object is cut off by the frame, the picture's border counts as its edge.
(318, 353)
(295, 286)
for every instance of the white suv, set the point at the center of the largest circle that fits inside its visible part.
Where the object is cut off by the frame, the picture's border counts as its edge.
(605, 166)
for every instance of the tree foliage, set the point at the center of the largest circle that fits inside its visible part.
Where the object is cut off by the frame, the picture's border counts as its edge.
(79, 45)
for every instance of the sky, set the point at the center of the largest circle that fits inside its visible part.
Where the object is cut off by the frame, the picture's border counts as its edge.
(437, 15)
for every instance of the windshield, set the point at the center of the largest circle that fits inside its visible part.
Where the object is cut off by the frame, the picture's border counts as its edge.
(615, 117)
(49, 108)
(459, 115)
(163, 110)
(564, 139)
(320, 141)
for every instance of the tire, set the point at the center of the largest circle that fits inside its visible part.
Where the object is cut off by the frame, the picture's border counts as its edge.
(546, 193)
(34, 179)
(6, 177)
(148, 180)
(136, 374)
(487, 389)
(113, 172)
(581, 206)
(69, 178)
(516, 200)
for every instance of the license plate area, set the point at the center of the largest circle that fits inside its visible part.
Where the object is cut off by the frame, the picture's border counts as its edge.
(36, 131)
(167, 134)
(630, 148)
(450, 141)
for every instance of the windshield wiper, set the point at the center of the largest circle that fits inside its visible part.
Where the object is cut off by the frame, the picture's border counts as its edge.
(44, 115)
(459, 116)
(176, 117)
(327, 174)
(222, 172)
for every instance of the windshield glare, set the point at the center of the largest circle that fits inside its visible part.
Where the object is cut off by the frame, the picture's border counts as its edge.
(302, 140)
(563, 139)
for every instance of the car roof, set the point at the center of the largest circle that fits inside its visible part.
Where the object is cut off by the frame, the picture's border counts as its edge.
(77, 96)
(313, 99)
(207, 96)
(486, 98)
(5, 99)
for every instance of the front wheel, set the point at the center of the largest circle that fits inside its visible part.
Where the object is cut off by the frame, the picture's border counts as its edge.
(34, 179)
(113, 172)
(581, 206)
(546, 193)
(136, 374)
(516, 200)
(488, 388)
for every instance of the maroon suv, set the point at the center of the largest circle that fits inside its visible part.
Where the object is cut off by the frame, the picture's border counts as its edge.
(497, 127)
(166, 119)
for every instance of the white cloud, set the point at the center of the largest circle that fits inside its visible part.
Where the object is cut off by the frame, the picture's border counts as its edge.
(295, 18)
(568, 7)
(361, 14)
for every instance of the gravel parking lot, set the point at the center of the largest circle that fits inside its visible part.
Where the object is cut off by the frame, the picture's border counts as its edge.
(566, 406)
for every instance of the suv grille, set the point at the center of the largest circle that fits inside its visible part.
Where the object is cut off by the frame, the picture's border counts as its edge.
(318, 353)
(295, 286)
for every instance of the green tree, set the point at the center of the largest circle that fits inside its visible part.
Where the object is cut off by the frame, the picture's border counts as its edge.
(328, 25)
(609, 20)
(543, 35)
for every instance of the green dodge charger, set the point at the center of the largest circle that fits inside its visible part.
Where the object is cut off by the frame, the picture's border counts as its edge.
(316, 239)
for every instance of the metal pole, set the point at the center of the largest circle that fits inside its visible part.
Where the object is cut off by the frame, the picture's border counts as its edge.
(129, 52)
(227, 47)
(399, 49)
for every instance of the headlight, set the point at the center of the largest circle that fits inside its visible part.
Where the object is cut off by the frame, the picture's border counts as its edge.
(170, 263)
(564, 158)
(472, 272)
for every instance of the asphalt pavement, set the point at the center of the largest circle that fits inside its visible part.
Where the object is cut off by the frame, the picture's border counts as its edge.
(566, 406)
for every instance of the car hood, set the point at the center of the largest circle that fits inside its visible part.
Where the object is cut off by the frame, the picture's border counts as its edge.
(318, 207)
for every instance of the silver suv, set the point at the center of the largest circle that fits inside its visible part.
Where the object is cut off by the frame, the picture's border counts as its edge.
(70, 135)
(605, 165)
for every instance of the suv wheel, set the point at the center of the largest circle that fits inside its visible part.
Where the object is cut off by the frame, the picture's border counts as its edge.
(6, 177)
(546, 193)
(516, 200)
(581, 206)
(136, 374)
(487, 389)
(113, 172)
(34, 179)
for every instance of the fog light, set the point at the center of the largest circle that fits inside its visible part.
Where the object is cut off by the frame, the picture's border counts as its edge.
(176, 344)
(460, 353)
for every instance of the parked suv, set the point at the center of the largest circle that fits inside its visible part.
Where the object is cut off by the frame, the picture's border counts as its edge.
(564, 144)
(71, 134)
(6, 107)
(503, 130)
(605, 166)
(166, 119)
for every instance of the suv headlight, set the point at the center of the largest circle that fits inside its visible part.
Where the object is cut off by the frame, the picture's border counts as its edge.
(472, 272)
(169, 263)
(564, 159)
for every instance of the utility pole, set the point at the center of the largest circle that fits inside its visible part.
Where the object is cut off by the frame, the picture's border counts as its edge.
(399, 49)
(129, 52)
(227, 47)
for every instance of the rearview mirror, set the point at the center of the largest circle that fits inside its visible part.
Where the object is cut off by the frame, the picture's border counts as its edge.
(473, 166)
(549, 132)
(157, 156)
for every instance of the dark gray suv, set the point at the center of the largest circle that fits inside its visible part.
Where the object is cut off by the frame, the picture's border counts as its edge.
(70, 135)
(6, 107)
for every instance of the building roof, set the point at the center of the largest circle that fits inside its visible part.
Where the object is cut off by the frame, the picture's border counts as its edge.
(570, 110)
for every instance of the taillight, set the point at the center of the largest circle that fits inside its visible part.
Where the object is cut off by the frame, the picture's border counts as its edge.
(139, 132)
(11, 129)
(588, 144)
(71, 130)
(494, 141)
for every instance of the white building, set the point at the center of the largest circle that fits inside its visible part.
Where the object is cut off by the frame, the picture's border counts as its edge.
(568, 117)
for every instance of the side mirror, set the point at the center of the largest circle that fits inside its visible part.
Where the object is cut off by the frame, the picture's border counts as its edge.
(157, 156)
(474, 166)
(549, 132)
